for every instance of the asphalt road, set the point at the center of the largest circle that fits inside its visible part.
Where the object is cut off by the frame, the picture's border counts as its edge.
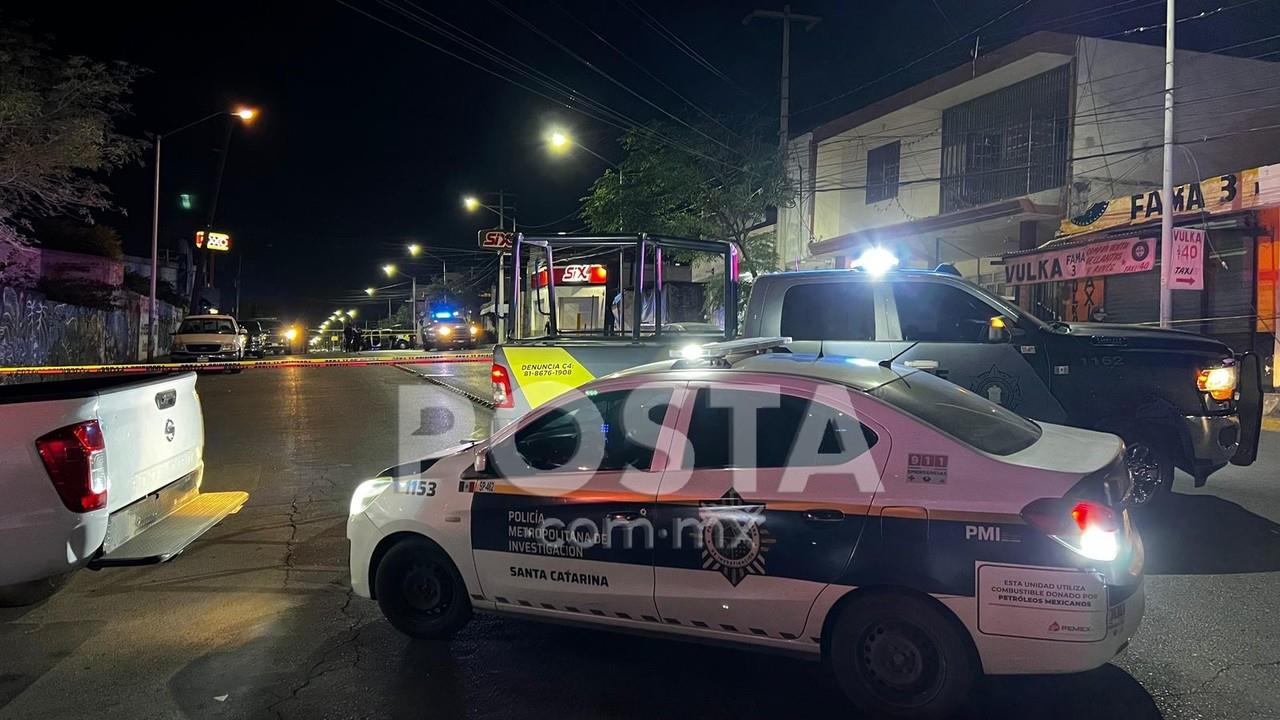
(257, 620)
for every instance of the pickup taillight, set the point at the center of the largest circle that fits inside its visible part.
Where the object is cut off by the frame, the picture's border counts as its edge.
(75, 457)
(503, 397)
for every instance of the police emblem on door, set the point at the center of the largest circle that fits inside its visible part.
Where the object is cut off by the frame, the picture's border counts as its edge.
(999, 387)
(734, 539)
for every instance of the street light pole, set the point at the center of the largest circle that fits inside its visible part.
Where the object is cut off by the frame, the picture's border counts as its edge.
(1166, 180)
(245, 114)
(155, 262)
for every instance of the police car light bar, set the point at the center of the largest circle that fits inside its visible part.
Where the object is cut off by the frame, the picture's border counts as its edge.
(728, 347)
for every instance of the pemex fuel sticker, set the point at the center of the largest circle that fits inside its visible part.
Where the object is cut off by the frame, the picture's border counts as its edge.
(926, 469)
(1041, 603)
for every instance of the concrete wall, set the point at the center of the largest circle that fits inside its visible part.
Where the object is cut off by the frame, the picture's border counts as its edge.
(142, 266)
(793, 220)
(23, 265)
(842, 163)
(38, 331)
(1119, 107)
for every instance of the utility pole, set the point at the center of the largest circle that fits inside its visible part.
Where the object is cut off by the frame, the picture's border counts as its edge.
(787, 17)
(1166, 185)
(500, 324)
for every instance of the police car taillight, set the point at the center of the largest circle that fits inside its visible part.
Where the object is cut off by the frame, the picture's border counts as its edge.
(1088, 528)
(502, 395)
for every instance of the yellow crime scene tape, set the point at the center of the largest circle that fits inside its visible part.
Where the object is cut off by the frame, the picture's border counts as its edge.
(288, 362)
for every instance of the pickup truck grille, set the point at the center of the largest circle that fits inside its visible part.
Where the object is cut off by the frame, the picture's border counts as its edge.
(204, 348)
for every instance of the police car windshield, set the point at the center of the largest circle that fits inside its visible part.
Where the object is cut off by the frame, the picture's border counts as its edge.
(966, 416)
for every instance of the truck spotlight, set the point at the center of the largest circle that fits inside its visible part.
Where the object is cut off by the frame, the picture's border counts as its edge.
(876, 261)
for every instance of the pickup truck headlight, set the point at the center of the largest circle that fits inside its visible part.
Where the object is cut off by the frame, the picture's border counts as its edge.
(228, 346)
(366, 492)
(1219, 382)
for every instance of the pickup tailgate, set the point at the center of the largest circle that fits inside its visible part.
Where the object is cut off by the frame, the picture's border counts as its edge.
(154, 434)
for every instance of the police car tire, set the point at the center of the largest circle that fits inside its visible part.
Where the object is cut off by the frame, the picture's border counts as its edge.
(414, 575)
(935, 643)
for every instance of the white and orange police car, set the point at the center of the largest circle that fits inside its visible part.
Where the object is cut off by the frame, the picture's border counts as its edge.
(909, 531)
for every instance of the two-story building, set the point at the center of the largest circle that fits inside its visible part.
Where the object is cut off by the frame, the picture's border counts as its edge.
(984, 162)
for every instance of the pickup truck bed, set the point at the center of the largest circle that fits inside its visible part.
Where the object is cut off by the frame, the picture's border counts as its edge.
(102, 471)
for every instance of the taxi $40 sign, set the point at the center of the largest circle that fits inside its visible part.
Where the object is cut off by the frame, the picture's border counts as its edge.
(1188, 259)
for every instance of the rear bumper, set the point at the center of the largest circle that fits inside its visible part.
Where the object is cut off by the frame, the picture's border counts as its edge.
(208, 357)
(1022, 656)
(1212, 441)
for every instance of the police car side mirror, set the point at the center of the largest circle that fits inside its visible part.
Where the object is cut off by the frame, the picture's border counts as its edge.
(998, 331)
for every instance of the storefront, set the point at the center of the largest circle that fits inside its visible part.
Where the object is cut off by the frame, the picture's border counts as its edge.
(1104, 266)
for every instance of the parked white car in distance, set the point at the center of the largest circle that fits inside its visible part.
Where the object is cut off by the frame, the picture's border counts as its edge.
(208, 338)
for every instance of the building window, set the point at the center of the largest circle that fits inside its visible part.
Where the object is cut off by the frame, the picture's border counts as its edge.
(1008, 143)
(882, 172)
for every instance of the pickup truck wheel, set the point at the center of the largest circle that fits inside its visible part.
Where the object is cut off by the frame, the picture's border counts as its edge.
(1151, 467)
(420, 591)
(898, 655)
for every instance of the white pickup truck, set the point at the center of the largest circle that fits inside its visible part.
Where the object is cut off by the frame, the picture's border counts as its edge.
(100, 472)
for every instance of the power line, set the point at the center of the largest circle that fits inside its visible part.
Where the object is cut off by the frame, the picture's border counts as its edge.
(1131, 151)
(918, 60)
(591, 66)
(679, 44)
(573, 17)
(589, 108)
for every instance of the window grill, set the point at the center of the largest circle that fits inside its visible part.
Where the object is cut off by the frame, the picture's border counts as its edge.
(1008, 143)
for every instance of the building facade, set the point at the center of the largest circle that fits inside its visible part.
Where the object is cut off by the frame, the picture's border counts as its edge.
(982, 164)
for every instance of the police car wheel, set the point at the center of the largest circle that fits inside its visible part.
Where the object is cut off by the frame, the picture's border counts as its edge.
(897, 655)
(1151, 469)
(420, 591)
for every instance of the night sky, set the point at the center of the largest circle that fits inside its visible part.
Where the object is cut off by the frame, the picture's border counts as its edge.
(368, 139)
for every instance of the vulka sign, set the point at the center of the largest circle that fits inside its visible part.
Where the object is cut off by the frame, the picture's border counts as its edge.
(1112, 257)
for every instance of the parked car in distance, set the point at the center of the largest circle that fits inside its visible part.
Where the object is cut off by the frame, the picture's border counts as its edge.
(256, 338)
(278, 337)
(99, 472)
(442, 333)
(208, 338)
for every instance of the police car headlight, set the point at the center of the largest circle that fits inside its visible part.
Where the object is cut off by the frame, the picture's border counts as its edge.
(1219, 382)
(475, 330)
(446, 331)
(368, 491)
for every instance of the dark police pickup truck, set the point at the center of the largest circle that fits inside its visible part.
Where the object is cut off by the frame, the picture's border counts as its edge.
(1177, 398)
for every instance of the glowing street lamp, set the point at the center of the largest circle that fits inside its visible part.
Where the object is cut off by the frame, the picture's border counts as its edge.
(246, 115)
(389, 269)
(370, 291)
(415, 249)
(559, 140)
(470, 203)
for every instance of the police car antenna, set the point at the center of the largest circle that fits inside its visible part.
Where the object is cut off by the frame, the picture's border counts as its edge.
(888, 364)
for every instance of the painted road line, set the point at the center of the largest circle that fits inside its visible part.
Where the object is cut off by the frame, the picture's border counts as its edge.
(244, 364)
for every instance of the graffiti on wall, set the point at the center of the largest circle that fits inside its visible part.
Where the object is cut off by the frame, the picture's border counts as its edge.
(37, 331)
